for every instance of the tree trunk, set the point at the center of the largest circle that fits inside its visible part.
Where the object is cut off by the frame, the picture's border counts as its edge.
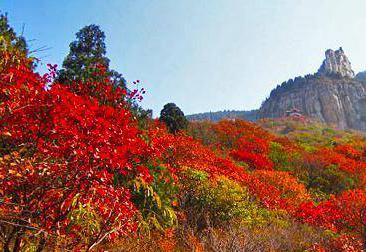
(8, 240)
(6, 247)
(41, 244)
(17, 241)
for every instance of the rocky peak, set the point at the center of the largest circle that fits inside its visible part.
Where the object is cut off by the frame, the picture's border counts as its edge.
(336, 63)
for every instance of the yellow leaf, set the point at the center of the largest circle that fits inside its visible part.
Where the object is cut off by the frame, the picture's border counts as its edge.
(6, 133)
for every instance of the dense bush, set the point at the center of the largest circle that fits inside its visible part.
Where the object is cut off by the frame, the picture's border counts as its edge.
(211, 203)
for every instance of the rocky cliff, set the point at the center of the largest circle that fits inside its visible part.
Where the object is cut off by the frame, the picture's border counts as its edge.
(332, 95)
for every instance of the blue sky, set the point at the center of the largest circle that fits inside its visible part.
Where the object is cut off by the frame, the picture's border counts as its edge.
(203, 55)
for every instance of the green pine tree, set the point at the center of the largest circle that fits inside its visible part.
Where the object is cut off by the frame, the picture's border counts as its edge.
(173, 117)
(9, 36)
(86, 52)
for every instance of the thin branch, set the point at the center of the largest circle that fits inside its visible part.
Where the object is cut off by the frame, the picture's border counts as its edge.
(22, 33)
(101, 239)
(41, 49)
(20, 225)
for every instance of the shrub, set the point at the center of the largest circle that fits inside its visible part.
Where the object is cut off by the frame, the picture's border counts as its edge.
(279, 157)
(321, 179)
(214, 202)
(155, 200)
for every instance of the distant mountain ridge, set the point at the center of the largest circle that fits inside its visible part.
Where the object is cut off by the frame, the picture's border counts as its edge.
(250, 115)
(361, 76)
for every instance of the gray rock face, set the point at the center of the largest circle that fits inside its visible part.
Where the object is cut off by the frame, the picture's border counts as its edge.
(330, 95)
(336, 63)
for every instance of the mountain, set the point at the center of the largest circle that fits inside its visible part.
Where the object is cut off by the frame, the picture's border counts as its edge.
(332, 95)
(250, 115)
(361, 76)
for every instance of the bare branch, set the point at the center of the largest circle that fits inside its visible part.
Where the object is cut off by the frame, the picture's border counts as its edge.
(20, 225)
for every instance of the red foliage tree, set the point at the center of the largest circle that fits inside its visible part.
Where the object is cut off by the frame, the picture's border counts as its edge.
(61, 152)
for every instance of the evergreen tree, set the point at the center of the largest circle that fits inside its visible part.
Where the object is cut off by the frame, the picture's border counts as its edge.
(8, 34)
(173, 117)
(87, 52)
